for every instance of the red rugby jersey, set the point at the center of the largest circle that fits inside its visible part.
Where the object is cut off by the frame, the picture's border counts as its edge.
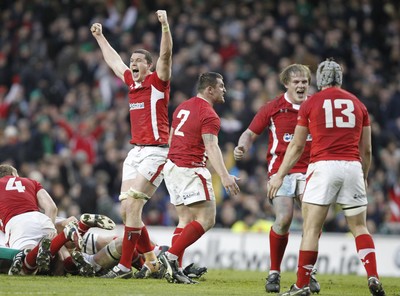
(17, 196)
(280, 117)
(190, 121)
(335, 119)
(148, 109)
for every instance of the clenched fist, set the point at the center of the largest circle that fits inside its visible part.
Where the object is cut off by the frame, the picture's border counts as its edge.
(96, 29)
(162, 17)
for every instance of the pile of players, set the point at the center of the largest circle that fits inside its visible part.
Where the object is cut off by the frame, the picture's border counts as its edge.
(78, 251)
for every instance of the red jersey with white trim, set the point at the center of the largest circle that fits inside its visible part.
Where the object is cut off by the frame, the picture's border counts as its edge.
(190, 121)
(335, 119)
(148, 109)
(280, 117)
(17, 196)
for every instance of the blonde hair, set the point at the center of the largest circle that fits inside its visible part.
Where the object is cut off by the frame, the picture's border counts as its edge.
(286, 73)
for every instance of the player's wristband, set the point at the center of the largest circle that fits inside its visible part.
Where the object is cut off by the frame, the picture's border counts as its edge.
(165, 28)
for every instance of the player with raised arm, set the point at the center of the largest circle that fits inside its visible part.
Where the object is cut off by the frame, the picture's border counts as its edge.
(148, 109)
(279, 116)
(339, 163)
(194, 140)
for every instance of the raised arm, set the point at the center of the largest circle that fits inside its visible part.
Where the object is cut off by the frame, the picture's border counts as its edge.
(245, 142)
(164, 63)
(215, 156)
(111, 57)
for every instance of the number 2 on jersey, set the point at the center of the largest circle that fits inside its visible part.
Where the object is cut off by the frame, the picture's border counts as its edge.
(183, 115)
(348, 120)
(15, 185)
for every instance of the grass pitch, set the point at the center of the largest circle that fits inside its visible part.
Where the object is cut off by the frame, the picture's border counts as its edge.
(215, 282)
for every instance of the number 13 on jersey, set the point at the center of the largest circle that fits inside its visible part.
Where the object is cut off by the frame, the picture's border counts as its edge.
(348, 118)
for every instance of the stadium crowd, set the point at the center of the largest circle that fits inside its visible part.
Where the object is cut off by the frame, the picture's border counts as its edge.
(64, 116)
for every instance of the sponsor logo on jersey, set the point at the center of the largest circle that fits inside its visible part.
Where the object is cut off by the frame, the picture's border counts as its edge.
(136, 106)
(288, 137)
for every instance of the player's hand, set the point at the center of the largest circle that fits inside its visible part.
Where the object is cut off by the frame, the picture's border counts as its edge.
(238, 152)
(230, 185)
(273, 186)
(96, 29)
(162, 17)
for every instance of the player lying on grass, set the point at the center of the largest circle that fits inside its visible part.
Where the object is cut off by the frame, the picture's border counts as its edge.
(106, 247)
(100, 262)
(60, 262)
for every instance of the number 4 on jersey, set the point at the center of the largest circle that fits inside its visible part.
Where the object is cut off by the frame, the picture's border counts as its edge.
(15, 185)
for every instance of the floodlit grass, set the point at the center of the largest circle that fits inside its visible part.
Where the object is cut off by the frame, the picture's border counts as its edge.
(215, 282)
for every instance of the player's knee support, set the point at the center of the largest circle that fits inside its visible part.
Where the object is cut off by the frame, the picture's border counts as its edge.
(134, 194)
(112, 251)
(89, 243)
(352, 211)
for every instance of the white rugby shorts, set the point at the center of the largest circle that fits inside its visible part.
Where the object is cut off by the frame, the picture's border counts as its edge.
(28, 229)
(335, 181)
(188, 185)
(293, 185)
(147, 161)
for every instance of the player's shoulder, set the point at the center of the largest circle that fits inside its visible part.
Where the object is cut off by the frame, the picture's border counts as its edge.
(352, 96)
(341, 93)
(199, 103)
(189, 104)
(26, 180)
(278, 100)
(276, 103)
(155, 80)
(345, 93)
(204, 109)
(150, 78)
(19, 183)
(152, 75)
(128, 78)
